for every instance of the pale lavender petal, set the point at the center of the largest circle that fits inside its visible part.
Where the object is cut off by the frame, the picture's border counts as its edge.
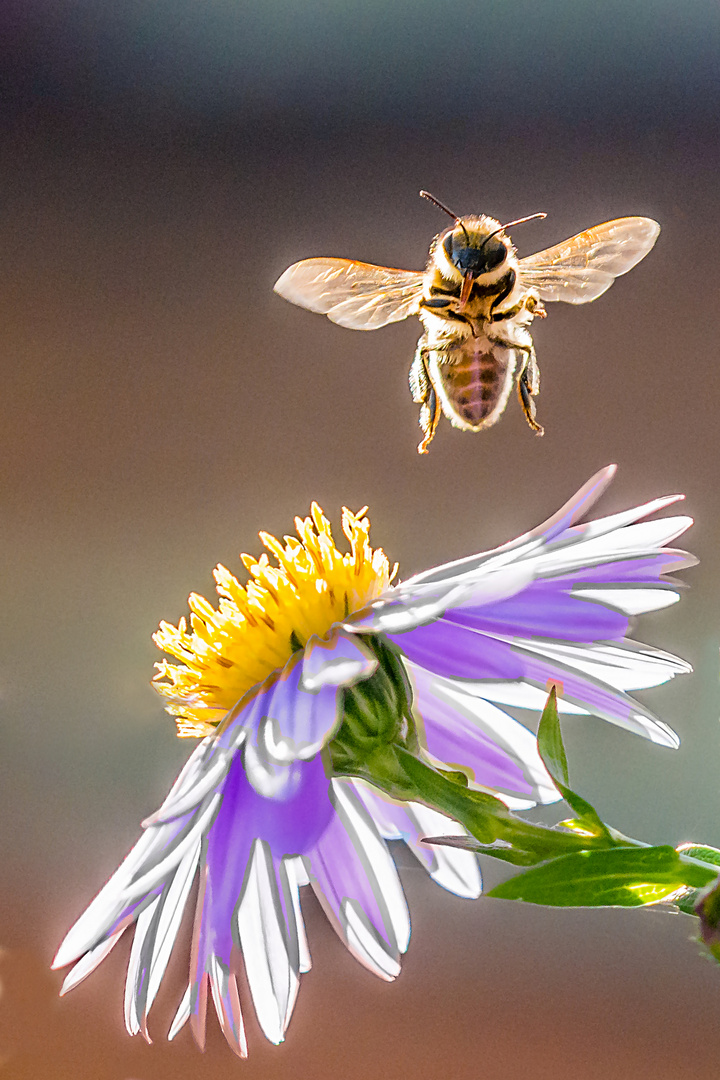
(529, 542)
(559, 547)
(355, 879)
(453, 869)
(577, 506)
(338, 660)
(461, 728)
(297, 711)
(456, 652)
(235, 882)
(592, 694)
(545, 610)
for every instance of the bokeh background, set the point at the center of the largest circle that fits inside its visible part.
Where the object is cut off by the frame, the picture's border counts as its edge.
(160, 164)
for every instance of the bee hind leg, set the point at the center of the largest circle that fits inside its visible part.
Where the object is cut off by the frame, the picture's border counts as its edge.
(528, 388)
(429, 416)
(424, 395)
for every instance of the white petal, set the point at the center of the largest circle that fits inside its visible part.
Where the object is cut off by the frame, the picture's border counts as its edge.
(296, 875)
(137, 970)
(194, 790)
(89, 962)
(271, 977)
(223, 987)
(364, 943)
(456, 870)
(359, 824)
(155, 874)
(521, 694)
(628, 600)
(624, 665)
(337, 661)
(181, 1016)
(169, 920)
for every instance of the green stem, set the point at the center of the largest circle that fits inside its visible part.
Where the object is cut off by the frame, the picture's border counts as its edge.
(405, 777)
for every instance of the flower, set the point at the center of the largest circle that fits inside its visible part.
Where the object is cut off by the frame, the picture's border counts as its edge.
(300, 682)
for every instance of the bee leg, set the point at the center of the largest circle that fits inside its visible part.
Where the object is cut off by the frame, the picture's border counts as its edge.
(531, 373)
(528, 387)
(535, 308)
(418, 378)
(429, 416)
(423, 393)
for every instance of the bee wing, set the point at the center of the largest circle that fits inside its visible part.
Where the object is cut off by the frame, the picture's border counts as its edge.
(582, 268)
(354, 294)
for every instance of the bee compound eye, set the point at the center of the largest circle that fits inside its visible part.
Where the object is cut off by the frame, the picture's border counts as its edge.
(494, 253)
(450, 246)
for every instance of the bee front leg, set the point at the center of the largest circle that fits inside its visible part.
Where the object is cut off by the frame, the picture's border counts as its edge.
(423, 394)
(528, 388)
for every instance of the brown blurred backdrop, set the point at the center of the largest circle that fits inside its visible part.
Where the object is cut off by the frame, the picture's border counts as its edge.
(160, 165)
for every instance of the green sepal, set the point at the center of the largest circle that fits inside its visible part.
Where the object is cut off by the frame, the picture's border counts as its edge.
(700, 851)
(688, 903)
(506, 852)
(552, 752)
(619, 877)
(457, 776)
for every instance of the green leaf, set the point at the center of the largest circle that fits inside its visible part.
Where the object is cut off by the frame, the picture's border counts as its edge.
(508, 853)
(704, 853)
(619, 877)
(550, 744)
(687, 903)
(552, 752)
(701, 852)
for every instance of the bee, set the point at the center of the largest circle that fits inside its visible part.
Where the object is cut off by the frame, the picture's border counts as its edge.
(476, 301)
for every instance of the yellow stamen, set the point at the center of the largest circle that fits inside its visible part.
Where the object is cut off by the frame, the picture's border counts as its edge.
(255, 627)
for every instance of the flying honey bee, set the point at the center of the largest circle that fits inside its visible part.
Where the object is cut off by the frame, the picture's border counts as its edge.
(476, 301)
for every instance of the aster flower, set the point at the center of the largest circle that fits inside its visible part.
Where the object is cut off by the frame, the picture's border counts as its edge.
(310, 686)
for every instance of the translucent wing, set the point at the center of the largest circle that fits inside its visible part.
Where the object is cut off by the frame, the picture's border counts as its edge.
(354, 294)
(584, 267)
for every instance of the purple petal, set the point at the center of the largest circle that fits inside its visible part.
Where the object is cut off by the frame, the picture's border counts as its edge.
(454, 869)
(286, 826)
(543, 609)
(357, 884)
(457, 652)
(577, 506)
(339, 660)
(296, 712)
(461, 728)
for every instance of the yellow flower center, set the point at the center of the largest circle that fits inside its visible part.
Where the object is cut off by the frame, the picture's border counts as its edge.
(258, 626)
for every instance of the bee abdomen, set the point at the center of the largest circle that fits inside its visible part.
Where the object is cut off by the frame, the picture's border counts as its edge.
(475, 385)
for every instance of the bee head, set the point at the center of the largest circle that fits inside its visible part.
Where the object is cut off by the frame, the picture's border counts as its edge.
(474, 251)
(476, 245)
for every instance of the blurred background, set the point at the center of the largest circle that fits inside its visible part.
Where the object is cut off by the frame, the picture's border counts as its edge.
(160, 164)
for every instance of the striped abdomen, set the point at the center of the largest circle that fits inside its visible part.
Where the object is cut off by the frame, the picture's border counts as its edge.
(473, 381)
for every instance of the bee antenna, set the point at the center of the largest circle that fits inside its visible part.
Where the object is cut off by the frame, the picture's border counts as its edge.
(509, 224)
(441, 206)
(522, 220)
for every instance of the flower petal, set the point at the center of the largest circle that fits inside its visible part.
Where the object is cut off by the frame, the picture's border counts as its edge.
(461, 728)
(456, 870)
(355, 880)
(338, 660)
(295, 713)
(559, 547)
(246, 904)
(155, 935)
